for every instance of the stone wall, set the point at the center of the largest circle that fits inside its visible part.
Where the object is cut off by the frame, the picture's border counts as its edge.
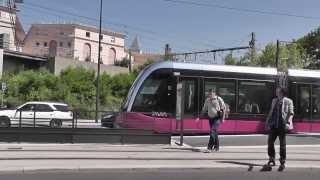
(59, 64)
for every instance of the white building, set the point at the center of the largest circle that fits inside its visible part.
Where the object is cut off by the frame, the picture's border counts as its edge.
(11, 31)
(74, 41)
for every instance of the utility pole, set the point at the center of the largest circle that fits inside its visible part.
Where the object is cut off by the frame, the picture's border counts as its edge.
(278, 54)
(167, 52)
(99, 60)
(130, 61)
(252, 45)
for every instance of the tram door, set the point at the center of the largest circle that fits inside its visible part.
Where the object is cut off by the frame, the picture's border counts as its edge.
(189, 104)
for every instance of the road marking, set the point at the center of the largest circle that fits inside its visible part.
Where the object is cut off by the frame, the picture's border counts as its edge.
(263, 146)
(242, 135)
(252, 135)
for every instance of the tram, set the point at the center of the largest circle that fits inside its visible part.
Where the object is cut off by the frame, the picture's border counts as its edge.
(248, 91)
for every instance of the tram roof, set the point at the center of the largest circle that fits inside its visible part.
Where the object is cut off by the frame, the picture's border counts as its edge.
(304, 73)
(216, 68)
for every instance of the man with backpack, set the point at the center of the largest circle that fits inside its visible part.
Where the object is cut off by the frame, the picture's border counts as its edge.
(214, 108)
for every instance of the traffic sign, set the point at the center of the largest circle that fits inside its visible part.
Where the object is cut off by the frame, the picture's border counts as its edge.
(4, 86)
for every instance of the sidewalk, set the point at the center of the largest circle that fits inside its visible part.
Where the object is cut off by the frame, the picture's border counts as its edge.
(77, 157)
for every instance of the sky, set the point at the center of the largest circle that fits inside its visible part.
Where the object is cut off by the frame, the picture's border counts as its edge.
(203, 25)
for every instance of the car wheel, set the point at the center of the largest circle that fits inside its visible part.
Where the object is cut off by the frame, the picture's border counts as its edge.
(4, 122)
(55, 123)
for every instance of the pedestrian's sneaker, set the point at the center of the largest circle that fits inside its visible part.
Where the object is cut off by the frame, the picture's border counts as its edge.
(207, 151)
(281, 167)
(271, 162)
(266, 167)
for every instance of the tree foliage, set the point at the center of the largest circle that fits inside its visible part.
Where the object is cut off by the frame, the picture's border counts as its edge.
(75, 86)
(229, 60)
(291, 56)
(311, 44)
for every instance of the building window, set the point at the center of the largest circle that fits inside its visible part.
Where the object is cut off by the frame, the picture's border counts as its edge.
(53, 48)
(69, 44)
(37, 44)
(112, 55)
(61, 33)
(113, 39)
(45, 44)
(87, 52)
(87, 34)
(61, 44)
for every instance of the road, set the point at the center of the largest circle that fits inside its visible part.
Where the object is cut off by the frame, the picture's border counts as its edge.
(249, 140)
(168, 174)
(235, 160)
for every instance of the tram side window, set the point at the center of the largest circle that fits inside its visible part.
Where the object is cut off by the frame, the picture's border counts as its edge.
(190, 98)
(254, 97)
(156, 96)
(316, 102)
(304, 102)
(225, 89)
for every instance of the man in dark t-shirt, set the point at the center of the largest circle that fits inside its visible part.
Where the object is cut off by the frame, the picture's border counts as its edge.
(280, 115)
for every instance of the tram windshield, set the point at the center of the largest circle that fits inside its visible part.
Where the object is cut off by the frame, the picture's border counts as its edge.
(156, 95)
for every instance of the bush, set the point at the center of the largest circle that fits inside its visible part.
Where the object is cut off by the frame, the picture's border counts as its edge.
(75, 86)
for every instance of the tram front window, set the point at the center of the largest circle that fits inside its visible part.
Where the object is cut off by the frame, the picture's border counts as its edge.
(156, 96)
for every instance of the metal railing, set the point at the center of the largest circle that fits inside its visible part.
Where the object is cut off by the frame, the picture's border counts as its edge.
(35, 119)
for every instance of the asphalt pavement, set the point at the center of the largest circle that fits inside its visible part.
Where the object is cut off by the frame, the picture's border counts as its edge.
(236, 155)
(250, 140)
(167, 174)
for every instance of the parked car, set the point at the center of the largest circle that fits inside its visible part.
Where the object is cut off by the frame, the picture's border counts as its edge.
(108, 119)
(37, 114)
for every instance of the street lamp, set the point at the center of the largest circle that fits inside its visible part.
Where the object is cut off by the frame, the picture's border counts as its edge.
(99, 60)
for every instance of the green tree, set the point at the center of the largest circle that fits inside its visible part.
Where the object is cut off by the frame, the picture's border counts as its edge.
(229, 60)
(77, 87)
(108, 101)
(290, 56)
(268, 56)
(311, 46)
(31, 86)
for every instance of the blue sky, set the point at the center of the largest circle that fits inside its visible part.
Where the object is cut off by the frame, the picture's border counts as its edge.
(184, 27)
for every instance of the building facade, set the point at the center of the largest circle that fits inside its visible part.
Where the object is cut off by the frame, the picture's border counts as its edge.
(11, 31)
(74, 41)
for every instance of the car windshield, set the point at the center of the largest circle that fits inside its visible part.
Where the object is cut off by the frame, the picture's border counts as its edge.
(62, 107)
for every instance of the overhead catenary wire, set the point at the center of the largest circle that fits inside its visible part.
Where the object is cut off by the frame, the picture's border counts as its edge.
(124, 26)
(146, 37)
(256, 11)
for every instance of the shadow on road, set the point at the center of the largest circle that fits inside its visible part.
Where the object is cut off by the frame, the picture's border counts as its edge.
(264, 167)
(183, 149)
(304, 135)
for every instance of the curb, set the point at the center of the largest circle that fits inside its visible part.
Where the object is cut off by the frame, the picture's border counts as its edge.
(141, 167)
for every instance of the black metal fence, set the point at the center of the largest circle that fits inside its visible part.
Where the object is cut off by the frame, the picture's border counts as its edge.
(81, 128)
